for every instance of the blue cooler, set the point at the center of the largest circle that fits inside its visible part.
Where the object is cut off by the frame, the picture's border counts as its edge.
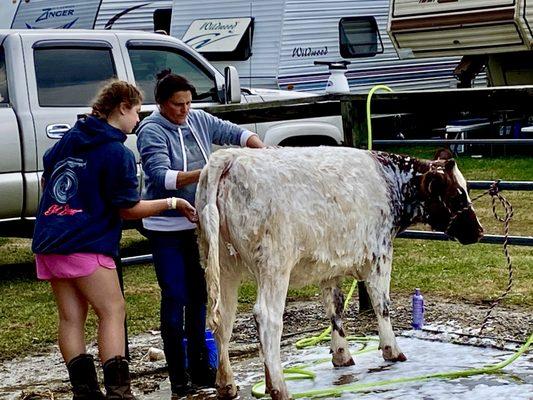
(211, 345)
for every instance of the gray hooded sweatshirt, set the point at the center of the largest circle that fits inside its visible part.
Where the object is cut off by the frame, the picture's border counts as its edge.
(167, 148)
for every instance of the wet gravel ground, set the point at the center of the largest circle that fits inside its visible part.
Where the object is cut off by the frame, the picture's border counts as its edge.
(45, 377)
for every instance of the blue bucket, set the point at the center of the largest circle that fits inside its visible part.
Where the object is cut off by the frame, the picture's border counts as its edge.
(211, 345)
(212, 351)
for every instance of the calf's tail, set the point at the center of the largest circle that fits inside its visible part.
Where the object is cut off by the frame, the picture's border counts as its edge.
(210, 222)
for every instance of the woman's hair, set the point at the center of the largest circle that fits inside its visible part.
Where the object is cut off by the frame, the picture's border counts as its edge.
(168, 83)
(112, 94)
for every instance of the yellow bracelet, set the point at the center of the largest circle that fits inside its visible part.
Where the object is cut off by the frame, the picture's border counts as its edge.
(174, 202)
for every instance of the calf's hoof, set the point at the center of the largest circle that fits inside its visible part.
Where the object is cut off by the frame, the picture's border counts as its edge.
(342, 358)
(343, 363)
(388, 355)
(401, 357)
(227, 392)
(279, 394)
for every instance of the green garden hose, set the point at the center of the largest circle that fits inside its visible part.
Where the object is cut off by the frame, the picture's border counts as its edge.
(324, 336)
(368, 114)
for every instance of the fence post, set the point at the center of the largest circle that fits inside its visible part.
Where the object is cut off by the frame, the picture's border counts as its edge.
(360, 125)
(361, 142)
(354, 123)
(355, 135)
(348, 126)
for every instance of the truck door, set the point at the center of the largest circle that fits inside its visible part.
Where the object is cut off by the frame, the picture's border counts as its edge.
(11, 181)
(64, 72)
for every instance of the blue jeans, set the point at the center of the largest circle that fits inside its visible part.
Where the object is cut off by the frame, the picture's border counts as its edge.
(183, 302)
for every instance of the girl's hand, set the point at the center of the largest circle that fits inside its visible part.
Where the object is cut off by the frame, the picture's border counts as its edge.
(185, 208)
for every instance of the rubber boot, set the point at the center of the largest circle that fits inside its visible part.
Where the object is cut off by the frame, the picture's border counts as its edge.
(83, 378)
(181, 391)
(117, 379)
(202, 374)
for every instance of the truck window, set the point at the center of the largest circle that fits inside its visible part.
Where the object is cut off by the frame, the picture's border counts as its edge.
(70, 77)
(4, 96)
(359, 37)
(147, 62)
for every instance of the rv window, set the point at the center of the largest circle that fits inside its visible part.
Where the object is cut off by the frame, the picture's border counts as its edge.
(162, 19)
(70, 77)
(359, 37)
(147, 62)
(4, 97)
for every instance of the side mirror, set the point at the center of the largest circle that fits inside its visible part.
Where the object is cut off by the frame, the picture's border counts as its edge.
(232, 85)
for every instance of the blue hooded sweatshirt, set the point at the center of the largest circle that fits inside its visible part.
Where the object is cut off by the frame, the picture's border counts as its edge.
(89, 174)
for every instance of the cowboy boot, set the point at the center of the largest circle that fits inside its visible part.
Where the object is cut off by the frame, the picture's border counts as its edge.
(83, 378)
(117, 379)
(203, 375)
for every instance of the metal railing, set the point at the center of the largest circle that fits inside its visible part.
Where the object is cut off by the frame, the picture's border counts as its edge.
(431, 142)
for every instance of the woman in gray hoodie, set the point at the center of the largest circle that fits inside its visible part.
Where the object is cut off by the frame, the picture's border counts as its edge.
(175, 142)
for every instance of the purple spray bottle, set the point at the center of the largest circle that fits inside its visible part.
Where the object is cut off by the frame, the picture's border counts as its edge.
(418, 310)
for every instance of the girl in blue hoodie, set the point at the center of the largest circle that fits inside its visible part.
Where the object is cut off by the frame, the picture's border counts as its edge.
(90, 185)
(175, 142)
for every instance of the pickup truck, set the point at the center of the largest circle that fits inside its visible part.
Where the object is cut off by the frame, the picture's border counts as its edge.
(48, 78)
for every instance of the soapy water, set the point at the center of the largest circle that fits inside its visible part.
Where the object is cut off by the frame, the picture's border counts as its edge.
(425, 357)
(515, 381)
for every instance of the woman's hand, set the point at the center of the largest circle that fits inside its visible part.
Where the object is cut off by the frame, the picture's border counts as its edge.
(254, 142)
(184, 178)
(185, 208)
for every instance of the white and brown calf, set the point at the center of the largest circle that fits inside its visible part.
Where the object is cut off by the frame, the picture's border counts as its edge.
(306, 215)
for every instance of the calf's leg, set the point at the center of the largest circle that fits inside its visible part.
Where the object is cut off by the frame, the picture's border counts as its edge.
(268, 313)
(334, 304)
(225, 381)
(378, 284)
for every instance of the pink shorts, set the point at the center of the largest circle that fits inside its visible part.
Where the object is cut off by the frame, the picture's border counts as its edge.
(65, 266)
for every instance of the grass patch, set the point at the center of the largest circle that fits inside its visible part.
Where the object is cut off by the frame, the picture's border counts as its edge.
(28, 316)
(475, 272)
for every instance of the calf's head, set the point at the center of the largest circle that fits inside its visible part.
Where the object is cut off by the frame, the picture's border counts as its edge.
(446, 202)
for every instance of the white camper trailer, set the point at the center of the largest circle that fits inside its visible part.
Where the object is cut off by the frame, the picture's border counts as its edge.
(88, 14)
(495, 33)
(275, 43)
